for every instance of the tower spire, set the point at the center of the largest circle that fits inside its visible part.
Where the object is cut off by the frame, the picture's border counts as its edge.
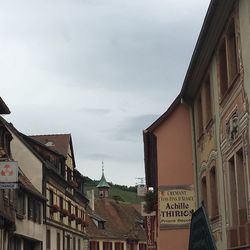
(103, 185)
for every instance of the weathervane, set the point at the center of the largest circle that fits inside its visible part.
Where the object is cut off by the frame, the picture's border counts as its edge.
(102, 167)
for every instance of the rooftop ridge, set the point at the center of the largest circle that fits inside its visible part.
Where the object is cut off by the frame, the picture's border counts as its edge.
(49, 134)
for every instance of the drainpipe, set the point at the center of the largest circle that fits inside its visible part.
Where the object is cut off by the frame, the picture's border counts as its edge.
(195, 155)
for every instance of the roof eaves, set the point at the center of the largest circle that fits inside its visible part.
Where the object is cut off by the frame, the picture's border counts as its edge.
(164, 116)
(20, 137)
(3, 107)
(203, 38)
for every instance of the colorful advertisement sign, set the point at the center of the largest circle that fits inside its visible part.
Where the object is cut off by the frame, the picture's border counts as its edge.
(8, 174)
(176, 204)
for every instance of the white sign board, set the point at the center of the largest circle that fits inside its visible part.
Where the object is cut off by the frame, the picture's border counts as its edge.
(8, 185)
(141, 190)
(8, 172)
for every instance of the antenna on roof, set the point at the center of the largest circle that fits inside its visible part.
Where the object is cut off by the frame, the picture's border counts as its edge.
(141, 181)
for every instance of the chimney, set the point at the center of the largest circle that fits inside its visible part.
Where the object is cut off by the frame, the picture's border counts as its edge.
(91, 198)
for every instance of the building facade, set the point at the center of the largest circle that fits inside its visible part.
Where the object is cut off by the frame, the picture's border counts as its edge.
(63, 187)
(170, 176)
(216, 89)
(22, 218)
(7, 210)
(53, 215)
(113, 225)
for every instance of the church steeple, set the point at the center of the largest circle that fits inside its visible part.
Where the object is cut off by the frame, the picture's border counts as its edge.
(103, 186)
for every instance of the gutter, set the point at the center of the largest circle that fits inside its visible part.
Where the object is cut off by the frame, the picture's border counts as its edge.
(195, 155)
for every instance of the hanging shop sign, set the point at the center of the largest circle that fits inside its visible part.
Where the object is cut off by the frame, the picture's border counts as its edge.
(141, 190)
(150, 221)
(176, 203)
(8, 174)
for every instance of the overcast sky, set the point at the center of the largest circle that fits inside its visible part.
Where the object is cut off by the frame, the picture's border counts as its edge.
(102, 70)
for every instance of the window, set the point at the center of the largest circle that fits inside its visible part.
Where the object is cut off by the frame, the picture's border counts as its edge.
(107, 245)
(69, 174)
(58, 241)
(11, 194)
(237, 189)
(6, 194)
(142, 246)
(82, 213)
(51, 197)
(101, 224)
(208, 100)
(69, 210)
(120, 246)
(204, 191)
(30, 208)
(233, 191)
(94, 245)
(20, 204)
(1, 137)
(34, 210)
(74, 243)
(200, 116)
(48, 243)
(213, 192)
(232, 53)
(76, 211)
(17, 243)
(223, 68)
(79, 244)
(68, 242)
(5, 138)
(227, 58)
(60, 203)
(69, 207)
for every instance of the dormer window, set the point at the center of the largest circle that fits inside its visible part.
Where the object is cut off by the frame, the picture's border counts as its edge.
(101, 225)
(50, 144)
(5, 139)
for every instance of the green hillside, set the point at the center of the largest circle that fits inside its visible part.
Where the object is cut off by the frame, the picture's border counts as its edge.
(117, 192)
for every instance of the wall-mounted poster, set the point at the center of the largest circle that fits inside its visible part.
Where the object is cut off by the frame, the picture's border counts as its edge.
(8, 175)
(176, 204)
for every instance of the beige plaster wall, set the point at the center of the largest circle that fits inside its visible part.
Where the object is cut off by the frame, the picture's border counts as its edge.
(28, 162)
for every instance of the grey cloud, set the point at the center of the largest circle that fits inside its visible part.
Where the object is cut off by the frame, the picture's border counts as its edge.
(94, 68)
(99, 156)
(131, 128)
(96, 111)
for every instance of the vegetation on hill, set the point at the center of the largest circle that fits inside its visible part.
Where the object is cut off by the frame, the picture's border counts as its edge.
(117, 192)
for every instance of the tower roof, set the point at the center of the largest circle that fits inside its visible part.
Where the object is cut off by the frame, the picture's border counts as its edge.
(103, 182)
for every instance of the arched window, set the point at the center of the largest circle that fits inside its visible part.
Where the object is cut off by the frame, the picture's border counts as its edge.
(214, 193)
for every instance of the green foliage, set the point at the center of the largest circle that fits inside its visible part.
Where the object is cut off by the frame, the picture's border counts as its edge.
(151, 200)
(117, 192)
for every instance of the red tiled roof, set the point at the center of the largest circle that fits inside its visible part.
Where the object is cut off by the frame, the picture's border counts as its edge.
(57, 142)
(122, 221)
